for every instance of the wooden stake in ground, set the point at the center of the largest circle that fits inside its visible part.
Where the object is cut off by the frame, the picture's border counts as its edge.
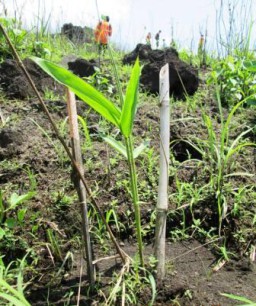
(76, 151)
(162, 202)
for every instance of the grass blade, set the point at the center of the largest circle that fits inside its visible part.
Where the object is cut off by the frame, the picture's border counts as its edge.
(13, 294)
(239, 298)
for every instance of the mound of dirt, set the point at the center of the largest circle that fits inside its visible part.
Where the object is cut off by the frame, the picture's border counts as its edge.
(82, 67)
(15, 85)
(77, 34)
(10, 142)
(184, 78)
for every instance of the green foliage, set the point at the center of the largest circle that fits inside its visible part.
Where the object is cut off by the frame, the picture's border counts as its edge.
(23, 41)
(101, 81)
(215, 182)
(219, 150)
(240, 299)
(82, 89)
(11, 293)
(130, 102)
(122, 118)
(235, 81)
(118, 146)
(16, 34)
(7, 221)
(54, 244)
(235, 77)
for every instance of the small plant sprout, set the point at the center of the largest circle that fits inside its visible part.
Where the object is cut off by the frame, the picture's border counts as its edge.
(122, 118)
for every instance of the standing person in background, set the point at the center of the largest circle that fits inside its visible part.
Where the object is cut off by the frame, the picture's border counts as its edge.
(164, 43)
(200, 50)
(102, 33)
(157, 37)
(148, 39)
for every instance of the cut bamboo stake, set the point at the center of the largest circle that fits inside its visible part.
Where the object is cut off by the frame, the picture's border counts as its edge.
(76, 151)
(162, 202)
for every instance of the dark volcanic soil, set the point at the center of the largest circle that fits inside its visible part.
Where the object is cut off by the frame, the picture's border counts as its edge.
(29, 147)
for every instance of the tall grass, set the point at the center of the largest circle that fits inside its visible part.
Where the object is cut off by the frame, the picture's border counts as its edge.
(233, 27)
(219, 150)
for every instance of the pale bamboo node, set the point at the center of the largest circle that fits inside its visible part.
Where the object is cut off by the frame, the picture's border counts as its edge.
(162, 202)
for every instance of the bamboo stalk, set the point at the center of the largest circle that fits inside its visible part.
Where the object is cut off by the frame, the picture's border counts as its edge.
(162, 202)
(135, 196)
(76, 151)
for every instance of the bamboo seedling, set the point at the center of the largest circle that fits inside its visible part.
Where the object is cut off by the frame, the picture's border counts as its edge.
(162, 202)
(122, 118)
(74, 163)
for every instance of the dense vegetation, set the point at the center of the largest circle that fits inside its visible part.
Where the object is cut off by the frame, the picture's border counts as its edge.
(212, 193)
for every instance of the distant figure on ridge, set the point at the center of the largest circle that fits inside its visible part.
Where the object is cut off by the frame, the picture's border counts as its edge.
(200, 45)
(148, 39)
(200, 50)
(164, 44)
(102, 33)
(157, 37)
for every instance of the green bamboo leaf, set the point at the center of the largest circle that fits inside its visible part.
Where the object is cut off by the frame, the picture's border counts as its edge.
(130, 102)
(86, 92)
(117, 145)
(140, 149)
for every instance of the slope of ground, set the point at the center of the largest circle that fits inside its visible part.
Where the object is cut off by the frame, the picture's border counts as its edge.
(32, 158)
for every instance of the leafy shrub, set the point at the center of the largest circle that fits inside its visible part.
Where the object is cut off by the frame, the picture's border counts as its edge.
(23, 41)
(16, 35)
(235, 81)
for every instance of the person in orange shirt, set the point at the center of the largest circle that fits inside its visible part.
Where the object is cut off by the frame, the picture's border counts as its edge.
(102, 33)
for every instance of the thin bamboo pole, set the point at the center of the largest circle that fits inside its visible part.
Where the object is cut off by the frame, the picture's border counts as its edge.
(76, 151)
(162, 202)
